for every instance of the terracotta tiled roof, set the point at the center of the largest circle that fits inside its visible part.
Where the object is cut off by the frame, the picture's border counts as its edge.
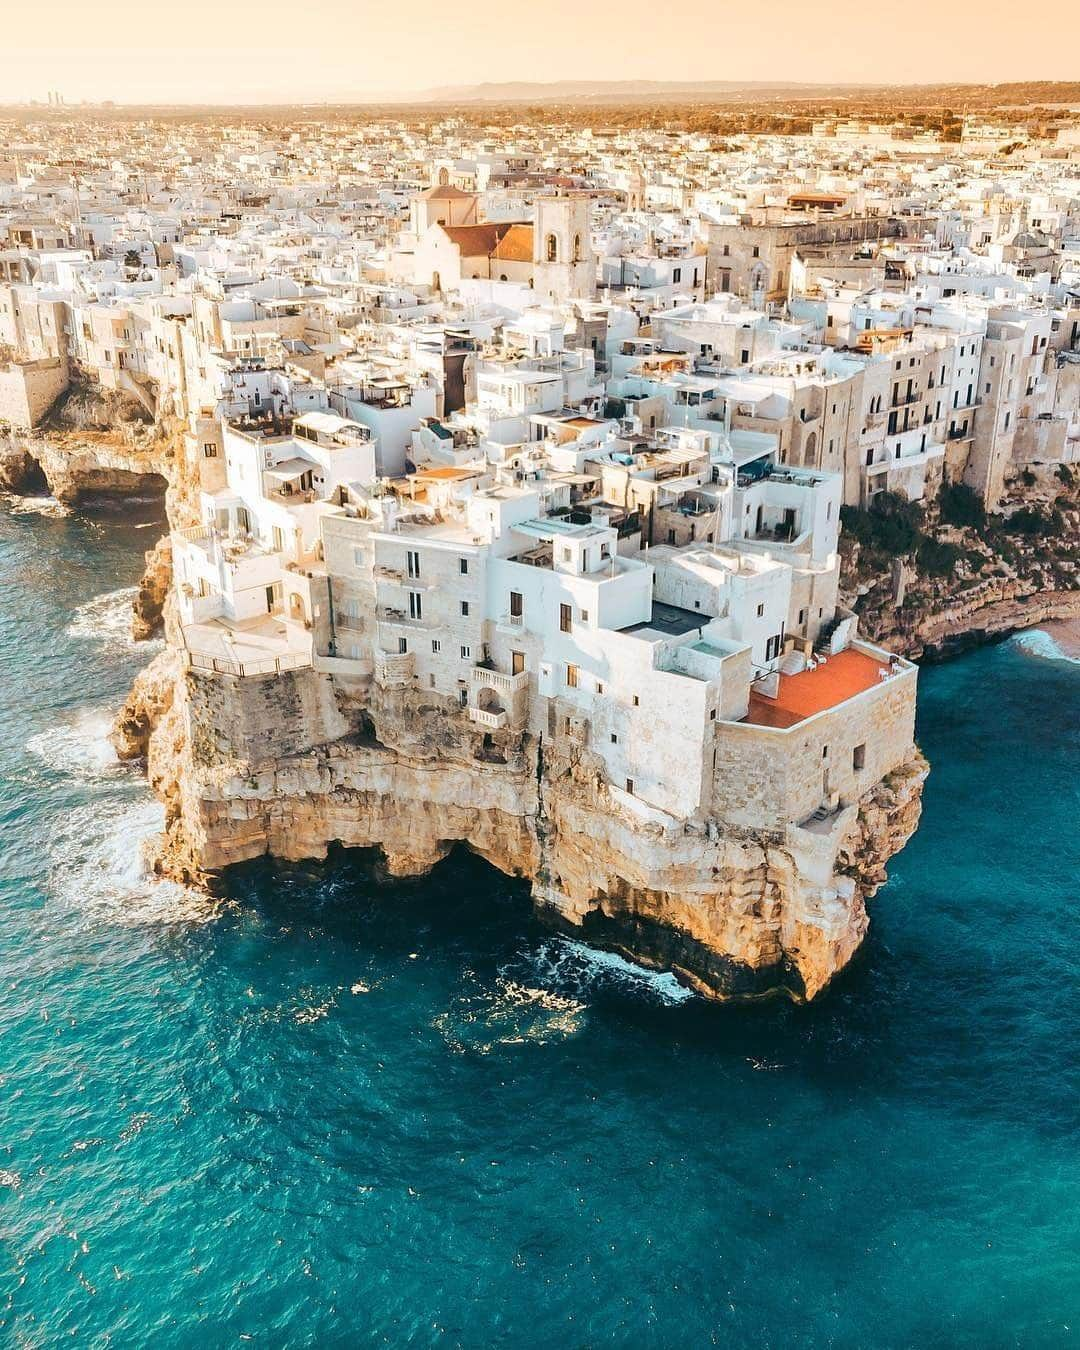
(504, 240)
(475, 241)
(516, 245)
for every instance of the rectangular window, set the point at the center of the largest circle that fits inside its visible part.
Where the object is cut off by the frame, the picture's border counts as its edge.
(772, 647)
(676, 274)
(416, 610)
(566, 618)
(436, 646)
(516, 605)
(210, 450)
(466, 653)
(412, 563)
(614, 739)
(761, 611)
(630, 786)
(463, 566)
(464, 609)
(637, 701)
(858, 757)
(571, 677)
(403, 645)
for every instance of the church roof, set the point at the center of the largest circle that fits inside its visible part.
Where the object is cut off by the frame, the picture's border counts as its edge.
(475, 241)
(516, 245)
(444, 193)
(506, 240)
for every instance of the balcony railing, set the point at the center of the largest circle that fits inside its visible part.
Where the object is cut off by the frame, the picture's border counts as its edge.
(222, 665)
(496, 679)
(495, 721)
(198, 534)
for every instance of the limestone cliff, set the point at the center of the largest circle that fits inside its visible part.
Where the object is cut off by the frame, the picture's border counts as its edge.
(149, 604)
(79, 465)
(732, 913)
(979, 581)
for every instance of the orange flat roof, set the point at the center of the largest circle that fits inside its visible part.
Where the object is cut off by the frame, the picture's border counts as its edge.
(445, 471)
(812, 691)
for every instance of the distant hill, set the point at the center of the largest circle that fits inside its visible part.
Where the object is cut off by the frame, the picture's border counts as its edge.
(621, 91)
(1021, 93)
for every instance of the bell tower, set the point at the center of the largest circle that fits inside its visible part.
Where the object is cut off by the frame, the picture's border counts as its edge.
(636, 189)
(564, 265)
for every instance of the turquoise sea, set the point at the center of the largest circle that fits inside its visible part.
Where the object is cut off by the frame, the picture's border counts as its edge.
(335, 1110)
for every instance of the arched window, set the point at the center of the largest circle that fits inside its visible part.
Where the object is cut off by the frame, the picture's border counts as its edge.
(809, 450)
(551, 249)
(577, 248)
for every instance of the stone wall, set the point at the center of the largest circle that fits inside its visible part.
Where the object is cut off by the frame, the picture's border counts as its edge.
(29, 389)
(766, 778)
(260, 719)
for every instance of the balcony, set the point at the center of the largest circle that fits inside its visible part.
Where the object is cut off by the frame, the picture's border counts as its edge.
(482, 677)
(394, 670)
(494, 721)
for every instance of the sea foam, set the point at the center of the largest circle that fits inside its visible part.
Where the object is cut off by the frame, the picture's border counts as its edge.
(106, 619)
(1038, 642)
(572, 965)
(80, 747)
(99, 865)
(38, 506)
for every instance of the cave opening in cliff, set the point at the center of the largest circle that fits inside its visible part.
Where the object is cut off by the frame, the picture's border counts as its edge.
(33, 482)
(463, 905)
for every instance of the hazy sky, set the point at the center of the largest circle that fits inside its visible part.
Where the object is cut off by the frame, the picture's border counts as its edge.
(346, 50)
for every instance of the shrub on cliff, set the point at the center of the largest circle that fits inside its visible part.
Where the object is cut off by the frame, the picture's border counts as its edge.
(892, 525)
(1029, 521)
(938, 559)
(961, 505)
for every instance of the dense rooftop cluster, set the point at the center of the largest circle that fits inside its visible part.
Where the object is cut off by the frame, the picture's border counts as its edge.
(553, 424)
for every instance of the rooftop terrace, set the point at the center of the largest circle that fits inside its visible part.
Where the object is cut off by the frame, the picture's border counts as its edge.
(829, 684)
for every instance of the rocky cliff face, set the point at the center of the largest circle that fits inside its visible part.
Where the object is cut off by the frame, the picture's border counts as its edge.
(148, 606)
(1001, 582)
(731, 913)
(76, 466)
(93, 443)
